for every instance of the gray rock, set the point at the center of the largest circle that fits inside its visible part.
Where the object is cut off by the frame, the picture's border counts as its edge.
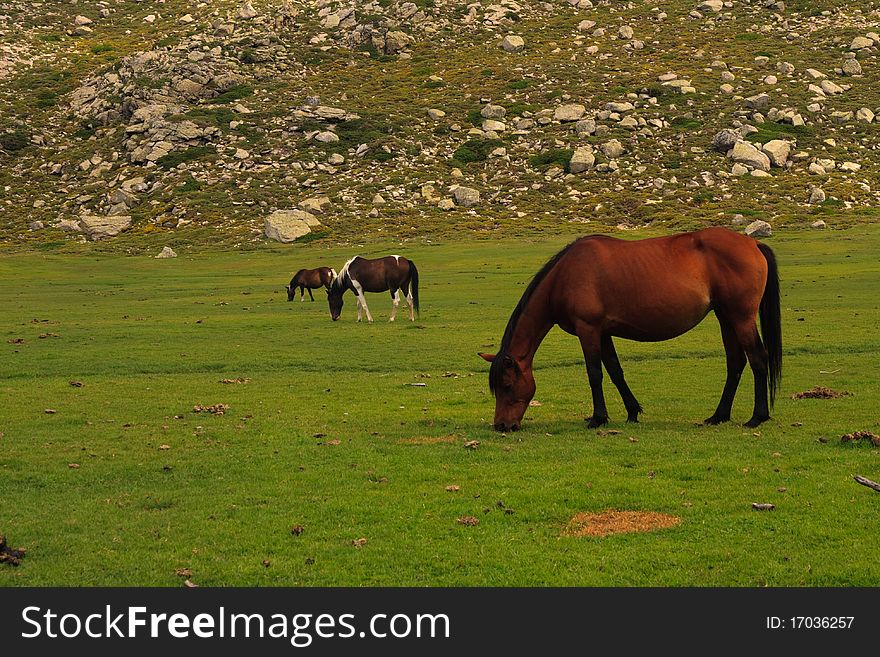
(724, 140)
(860, 42)
(852, 67)
(571, 112)
(436, 114)
(493, 112)
(746, 153)
(167, 252)
(759, 229)
(36, 225)
(98, 228)
(759, 102)
(289, 225)
(778, 151)
(830, 88)
(612, 149)
(316, 204)
(247, 11)
(711, 5)
(585, 127)
(395, 42)
(865, 115)
(327, 137)
(818, 224)
(466, 196)
(513, 43)
(581, 160)
(817, 195)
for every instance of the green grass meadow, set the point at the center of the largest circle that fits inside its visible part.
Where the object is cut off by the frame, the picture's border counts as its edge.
(330, 434)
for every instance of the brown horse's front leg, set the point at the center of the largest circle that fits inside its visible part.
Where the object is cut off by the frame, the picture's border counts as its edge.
(591, 343)
(310, 294)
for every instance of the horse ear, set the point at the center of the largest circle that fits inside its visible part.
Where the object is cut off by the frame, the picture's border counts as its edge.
(487, 357)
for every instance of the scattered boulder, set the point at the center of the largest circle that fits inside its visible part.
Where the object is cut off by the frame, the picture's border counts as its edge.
(581, 160)
(759, 229)
(860, 42)
(567, 113)
(167, 252)
(513, 43)
(316, 204)
(289, 225)
(612, 149)
(759, 102)
(724, 140)
(818, 224)
(747, 154)
(466, 196)
(778, 151)
(99, 228)
(865, 115)
(817, 195)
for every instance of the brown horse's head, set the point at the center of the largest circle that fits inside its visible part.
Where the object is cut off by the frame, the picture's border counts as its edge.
(334, 298)
(513, 385)
(290, 292)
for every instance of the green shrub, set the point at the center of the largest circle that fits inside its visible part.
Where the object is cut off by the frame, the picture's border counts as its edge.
(556, 156)
(237, 92)
(14, 141)
(475, 150)
(171, 160)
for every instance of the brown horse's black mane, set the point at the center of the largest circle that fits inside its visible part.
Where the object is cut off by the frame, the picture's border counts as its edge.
(497, 368)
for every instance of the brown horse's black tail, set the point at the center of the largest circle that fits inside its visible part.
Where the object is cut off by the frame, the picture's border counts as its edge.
(414, 284)
(771, 321)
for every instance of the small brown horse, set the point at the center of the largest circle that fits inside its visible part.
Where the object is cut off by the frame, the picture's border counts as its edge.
(361, 275)
(598, 288)
(310, 279)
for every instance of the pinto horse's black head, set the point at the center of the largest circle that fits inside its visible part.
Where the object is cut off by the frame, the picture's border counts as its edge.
(334, 299)
(290, 292)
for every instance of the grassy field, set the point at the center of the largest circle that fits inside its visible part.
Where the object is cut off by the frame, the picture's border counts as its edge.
(123, 484)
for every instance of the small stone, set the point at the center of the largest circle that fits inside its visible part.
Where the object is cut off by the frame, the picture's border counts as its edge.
(436, 114)
(167, 252)
(818, 224)
(612, 149)
(860, 42)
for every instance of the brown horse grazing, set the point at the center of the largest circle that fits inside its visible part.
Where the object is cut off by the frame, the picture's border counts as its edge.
(360, 275)
(310, 279)
(598, 288)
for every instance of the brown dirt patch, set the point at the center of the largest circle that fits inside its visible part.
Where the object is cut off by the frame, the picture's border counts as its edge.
(429, 440)
(856, 436)
(820, 392)
(608, 522)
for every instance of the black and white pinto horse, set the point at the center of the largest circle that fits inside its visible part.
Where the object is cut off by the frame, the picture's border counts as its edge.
(393, 273)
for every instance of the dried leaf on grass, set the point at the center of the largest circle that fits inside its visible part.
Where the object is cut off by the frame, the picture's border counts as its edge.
(468, 521)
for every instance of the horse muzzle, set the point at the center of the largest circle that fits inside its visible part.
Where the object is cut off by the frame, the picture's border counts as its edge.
(505, 426)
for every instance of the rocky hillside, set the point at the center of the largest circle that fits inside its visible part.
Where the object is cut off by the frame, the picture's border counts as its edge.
(191, 123)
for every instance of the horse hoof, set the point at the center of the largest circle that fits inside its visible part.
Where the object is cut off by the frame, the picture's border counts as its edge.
(633, 418)
(755, 421)
(715, 420)
(595, 422)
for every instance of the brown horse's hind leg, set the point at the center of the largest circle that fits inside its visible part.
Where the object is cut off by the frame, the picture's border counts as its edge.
(736, 362)
(592, 346)
(615, 371)
(759, 361)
